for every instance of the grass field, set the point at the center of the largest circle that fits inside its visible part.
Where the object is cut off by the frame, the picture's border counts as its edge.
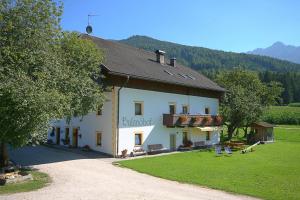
(282, 115)
(39, 180)
(272, 171)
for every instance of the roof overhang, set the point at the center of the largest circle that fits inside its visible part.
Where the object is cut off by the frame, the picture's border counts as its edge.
(160, 81)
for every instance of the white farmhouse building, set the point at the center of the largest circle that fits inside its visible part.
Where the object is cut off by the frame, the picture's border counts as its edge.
(150, 101)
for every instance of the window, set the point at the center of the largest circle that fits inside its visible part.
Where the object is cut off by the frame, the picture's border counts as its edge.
(185, 109)
(99, 110)
(191, 77)
(98, 138)
(57, 135)
(172, 108)
(207, 136)
(168, 72)
(138, 108)
(207, 110)
(138, 137)
(182, 75)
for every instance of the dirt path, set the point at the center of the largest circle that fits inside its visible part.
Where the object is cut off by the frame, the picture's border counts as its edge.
(77, 177)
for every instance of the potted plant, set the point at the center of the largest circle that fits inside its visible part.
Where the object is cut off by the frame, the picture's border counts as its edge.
(66, 141)
(49, 141)
(197, 120)
(219, 120)
(86, 148)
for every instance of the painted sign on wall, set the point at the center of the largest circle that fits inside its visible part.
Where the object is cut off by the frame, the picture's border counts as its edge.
(134, 122)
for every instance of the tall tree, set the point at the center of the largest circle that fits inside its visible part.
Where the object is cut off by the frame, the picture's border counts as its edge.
(246, 98)
(44, 73)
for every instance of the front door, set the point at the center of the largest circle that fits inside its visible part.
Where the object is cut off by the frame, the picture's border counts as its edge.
(173, 142)
(57, 135)
(75, 137)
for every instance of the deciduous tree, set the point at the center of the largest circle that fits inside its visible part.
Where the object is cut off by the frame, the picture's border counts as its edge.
(246, 98)
(44, 73)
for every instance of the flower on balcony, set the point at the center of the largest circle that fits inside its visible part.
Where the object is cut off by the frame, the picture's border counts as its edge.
(197, 119)
(219, 119)
(208, 120)
(183, 119)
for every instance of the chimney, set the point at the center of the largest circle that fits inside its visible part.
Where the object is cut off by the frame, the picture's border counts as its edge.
(160, 56)
(173, 62)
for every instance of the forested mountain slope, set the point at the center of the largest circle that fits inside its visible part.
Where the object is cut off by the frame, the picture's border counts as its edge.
(200, 58)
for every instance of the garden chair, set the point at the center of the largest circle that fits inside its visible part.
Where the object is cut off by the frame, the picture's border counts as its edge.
(218, 150)
(228, 150)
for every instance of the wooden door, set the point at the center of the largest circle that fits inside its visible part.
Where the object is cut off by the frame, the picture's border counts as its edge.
(75, 137)
(57, 135)
(173, 142)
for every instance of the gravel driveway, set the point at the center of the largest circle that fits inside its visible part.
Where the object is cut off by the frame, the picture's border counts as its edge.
(76, 176)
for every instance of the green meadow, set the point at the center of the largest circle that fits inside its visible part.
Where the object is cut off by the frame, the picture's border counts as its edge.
(272, 171)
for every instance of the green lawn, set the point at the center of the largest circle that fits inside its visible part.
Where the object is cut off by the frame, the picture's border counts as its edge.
(39, 180)
(272, 171)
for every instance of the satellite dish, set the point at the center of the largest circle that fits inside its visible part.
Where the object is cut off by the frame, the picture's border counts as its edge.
(89, 29)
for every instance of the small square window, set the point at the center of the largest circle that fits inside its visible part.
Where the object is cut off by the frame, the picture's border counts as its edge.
(207, 135)
(185, 109)
(98, 138)
(207, 111)
(138, 137)
(172, 109)
(138, 108)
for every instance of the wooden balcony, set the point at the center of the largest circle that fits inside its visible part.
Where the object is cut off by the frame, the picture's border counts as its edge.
(183, 120)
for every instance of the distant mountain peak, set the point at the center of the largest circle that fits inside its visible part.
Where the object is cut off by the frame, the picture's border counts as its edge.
(278, 44)
(281, 51)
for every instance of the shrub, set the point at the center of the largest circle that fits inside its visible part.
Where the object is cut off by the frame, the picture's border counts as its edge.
(296, 104)
(282, 115)
(49, 141)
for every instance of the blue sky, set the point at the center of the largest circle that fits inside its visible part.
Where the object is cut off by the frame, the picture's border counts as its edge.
(230, 25)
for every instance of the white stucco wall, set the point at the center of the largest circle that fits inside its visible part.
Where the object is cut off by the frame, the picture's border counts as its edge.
(155, 105)
(89, 125)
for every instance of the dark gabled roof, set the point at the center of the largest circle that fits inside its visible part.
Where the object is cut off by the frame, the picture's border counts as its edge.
(263, 124)
(122, 59)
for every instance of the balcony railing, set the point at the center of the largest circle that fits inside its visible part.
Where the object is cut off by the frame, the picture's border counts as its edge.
(183, 120)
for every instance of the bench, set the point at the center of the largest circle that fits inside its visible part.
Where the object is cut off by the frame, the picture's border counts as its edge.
(199, 145)
(138, 151)
(156, 148)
